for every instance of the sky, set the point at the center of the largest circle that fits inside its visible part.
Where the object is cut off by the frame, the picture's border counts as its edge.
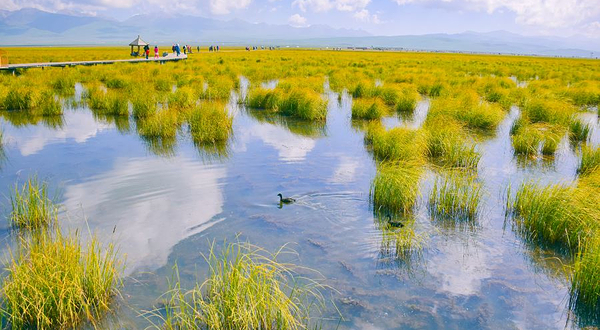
(378, 17)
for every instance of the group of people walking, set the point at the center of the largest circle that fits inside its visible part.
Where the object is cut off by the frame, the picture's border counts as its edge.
(187, 49)
(177, 49)
(261, 47)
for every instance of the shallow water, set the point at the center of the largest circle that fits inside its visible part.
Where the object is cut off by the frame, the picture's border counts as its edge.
(166, 209)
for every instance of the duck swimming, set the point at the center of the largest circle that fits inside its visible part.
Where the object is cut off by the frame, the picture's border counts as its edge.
(394, 223)
(287, 200)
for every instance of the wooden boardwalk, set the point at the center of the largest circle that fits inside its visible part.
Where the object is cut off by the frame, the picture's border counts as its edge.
(169, 57)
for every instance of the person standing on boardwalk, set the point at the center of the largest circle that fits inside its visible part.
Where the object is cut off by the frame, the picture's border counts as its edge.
(198, 48)
(178, 49)
(146, 51)
(156, 52)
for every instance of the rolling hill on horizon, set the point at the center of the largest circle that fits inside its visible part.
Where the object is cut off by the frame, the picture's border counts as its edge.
(28, 27)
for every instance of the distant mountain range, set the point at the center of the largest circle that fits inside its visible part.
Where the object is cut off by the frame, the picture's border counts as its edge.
(35, 27)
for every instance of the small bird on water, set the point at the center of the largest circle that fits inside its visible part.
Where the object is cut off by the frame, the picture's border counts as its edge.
(394, 223)
(287, 200)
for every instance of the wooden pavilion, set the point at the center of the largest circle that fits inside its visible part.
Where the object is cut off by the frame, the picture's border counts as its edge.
(139, 43)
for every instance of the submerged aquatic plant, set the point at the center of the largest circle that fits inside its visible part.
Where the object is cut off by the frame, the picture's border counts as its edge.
(246, 288)
(32, 208)
(400, 240)
(53, 282)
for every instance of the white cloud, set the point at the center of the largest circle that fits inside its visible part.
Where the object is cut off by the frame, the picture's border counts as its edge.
(79, 126)
(222, 7)
(592, 30)
(351, 5)
(365, 16)
(297, 20)
(346, 170)
(314, 5)
(544, 13)
(154, 204)
(326, 5)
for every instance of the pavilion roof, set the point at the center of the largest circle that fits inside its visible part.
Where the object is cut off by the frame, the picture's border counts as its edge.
(138, 42)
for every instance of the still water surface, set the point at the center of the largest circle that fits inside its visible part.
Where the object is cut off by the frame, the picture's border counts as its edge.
(165, 209)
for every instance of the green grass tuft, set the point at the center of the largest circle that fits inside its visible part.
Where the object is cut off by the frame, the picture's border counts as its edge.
(55, 283)
(32, 209)
(455, 196)
(397, 144)
(304, 104)
(210, 123)
(579, 131)
(585, 282)
(590, 160)
(246, 288)
(395, 188)
(370, 109)
(556, 215)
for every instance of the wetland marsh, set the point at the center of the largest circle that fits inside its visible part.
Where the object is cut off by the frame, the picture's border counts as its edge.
(432, 190)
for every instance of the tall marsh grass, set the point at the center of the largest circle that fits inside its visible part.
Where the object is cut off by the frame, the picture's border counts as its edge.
(163, 124)
(210, 123)
(373, 108)
(53, 282)
(590, 160)
(585, 281)
(304, 104)
(20, 98)
(260, 98)
(246, 288)
(397, 144)
(299, 103)
(455, 196)
(551, 111)
(395, 189)
(579, 131)
(406, 102)
(32, 207)
(50, 106)
(555, 215)
(448, 145)
(468, 110)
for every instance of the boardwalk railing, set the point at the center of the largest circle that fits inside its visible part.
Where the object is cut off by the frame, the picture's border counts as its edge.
(3, 58)
(167, 58)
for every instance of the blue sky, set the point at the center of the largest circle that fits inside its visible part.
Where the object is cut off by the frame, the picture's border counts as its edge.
(379, 17)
